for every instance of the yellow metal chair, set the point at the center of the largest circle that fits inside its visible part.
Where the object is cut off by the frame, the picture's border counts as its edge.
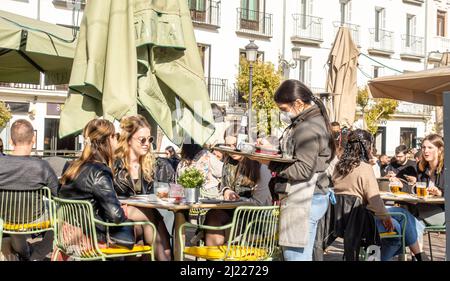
(76, 236)
(26, 212)
(253, 236)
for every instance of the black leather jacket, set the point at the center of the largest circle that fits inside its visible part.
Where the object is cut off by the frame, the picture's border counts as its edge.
(123, 184)
(95, 184)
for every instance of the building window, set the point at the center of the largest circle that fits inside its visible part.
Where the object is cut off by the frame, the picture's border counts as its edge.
(410, 28)
(250, 10)
(197, 5)
(377, 71)
(441, 23)
(304, 70)
(379, 22)
(204, 51)
(408, 137)
(345, 11)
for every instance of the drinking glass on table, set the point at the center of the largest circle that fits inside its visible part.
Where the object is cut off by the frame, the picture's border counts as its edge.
(395, 186)
(421, 189)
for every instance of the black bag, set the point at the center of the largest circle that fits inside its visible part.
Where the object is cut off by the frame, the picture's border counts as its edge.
(122, 236)
(277, 185)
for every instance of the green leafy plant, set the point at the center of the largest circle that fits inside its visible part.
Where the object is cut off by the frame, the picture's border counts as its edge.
(5, 114)
(265, 81)
(374, 110)
(191, 178)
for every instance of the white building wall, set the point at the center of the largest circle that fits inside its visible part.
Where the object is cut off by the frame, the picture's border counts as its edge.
(225, 42)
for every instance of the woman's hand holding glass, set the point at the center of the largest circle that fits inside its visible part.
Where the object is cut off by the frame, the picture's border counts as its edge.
(230, 195)
(433, 190)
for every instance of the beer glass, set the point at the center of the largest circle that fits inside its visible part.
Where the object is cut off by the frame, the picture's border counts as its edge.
(421, 189)
(395, 186)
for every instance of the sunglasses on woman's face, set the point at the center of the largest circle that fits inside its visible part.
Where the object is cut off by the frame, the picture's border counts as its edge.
(144, 140)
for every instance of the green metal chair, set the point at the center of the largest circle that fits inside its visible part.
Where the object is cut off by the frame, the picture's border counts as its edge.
(253, 236)
(76, 236)
(26, 212)
(433, 228)
(387, 235)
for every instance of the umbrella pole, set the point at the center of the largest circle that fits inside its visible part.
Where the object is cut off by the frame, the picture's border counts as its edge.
(446, 98)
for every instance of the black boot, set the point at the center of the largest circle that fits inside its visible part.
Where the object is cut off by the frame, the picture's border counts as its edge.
(421, 257)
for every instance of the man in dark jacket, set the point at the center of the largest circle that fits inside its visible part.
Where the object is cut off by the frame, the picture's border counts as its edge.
(400, 166)
(19, 171)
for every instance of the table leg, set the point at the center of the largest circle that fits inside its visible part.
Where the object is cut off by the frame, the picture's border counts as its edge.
(180, 218)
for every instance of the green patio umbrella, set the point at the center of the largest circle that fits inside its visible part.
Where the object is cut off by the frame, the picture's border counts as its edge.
(141, 53)
(29, 46)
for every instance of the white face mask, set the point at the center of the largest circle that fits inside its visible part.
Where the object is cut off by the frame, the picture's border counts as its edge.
(286, 117)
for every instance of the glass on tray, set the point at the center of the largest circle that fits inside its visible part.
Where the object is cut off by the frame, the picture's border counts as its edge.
(161, 190)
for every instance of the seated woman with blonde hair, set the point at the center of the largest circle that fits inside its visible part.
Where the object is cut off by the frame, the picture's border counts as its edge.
(133, 174)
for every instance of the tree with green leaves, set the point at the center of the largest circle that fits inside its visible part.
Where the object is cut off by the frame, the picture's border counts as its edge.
(265, 81)
(374, 110)
(5, 114)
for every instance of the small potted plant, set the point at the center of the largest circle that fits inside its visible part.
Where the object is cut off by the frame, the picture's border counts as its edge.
(192, 180)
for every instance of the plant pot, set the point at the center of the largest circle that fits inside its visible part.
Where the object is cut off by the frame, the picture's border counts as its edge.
(192, 194)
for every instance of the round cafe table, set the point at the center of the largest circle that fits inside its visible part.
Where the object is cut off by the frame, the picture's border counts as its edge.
(181, 212)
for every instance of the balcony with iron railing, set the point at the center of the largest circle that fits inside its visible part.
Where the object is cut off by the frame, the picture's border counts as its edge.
(38, 87)
(254, 22)
(412, 47)
(381, 42)
(307, 29)
(406, 108)
(207, 16)
(217, 89)
(353, 28)
(70, 3)
(440, 44)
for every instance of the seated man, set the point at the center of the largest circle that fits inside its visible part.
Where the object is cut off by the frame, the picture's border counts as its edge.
(400, 166)
(20, 171)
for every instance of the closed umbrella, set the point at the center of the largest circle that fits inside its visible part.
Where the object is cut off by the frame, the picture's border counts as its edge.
(445, 61)
(29, 47)
(147, 58)
(341, 78)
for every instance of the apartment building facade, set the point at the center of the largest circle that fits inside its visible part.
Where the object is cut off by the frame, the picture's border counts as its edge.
(393, 36)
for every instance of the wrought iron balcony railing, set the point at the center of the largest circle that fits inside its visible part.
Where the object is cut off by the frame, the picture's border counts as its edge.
(307, 27)
(254, 22)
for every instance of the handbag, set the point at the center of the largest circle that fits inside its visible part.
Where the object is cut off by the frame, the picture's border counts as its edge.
(121, 236)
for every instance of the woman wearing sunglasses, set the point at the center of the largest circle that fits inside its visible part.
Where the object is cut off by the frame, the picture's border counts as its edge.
(133, 174)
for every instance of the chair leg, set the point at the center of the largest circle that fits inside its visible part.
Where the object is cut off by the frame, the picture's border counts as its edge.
(429, 243)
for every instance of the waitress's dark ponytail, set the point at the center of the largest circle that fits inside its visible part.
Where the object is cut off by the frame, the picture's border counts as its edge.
(291, 90)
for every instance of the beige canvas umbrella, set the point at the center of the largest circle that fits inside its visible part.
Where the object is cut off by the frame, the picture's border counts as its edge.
(423, 87)
(341, 78)
(29, 47)
(139, 53)
(445, 61)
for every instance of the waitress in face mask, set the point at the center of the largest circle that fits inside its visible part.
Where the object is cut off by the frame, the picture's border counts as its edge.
(302, 185)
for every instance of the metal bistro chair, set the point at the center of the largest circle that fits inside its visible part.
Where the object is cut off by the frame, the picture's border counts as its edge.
(76, 236)
(387, 235)
(26, 212)
(253, 234)
(433, 228)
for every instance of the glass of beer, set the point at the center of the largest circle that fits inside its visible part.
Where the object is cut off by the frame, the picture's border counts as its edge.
(421, 189)
(395, 186)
